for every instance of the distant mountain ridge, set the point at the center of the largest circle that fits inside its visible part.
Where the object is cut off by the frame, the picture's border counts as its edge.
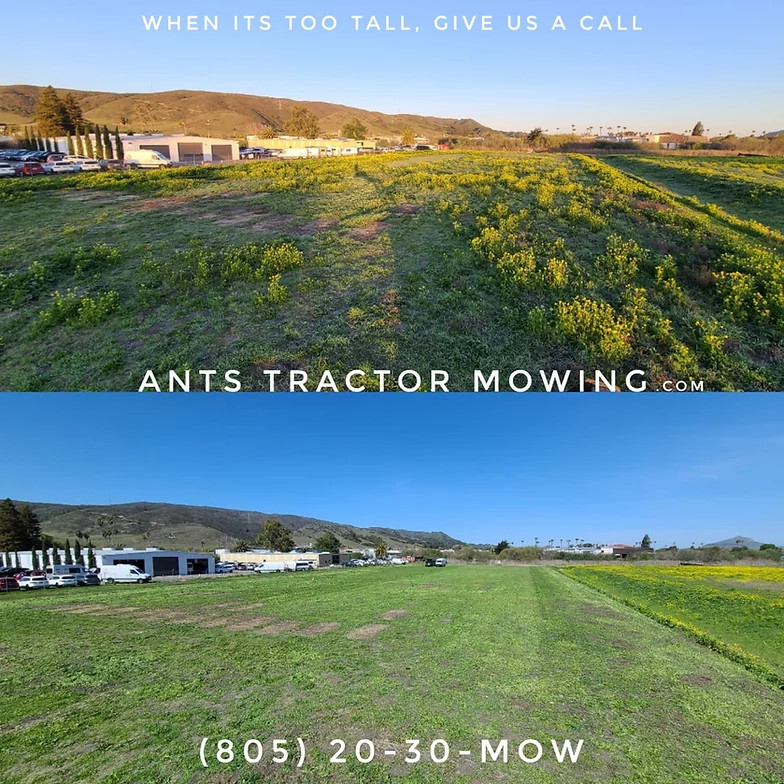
(736, 541)
(222, 114)
(202, 527)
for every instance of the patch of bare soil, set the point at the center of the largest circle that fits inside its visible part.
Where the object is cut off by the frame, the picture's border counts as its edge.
(390, 615)
(271, 223)
(246, 624)
(367, 232)
(315, 226)
(366, 632)
(600, 611)
(105, 197)
(282, 627)
(696, 680)
(407, 209)
(317, 629)
(446, 619)
(76, 609)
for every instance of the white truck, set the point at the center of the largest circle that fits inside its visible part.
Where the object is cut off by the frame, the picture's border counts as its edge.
(147, 159)
(122, 573)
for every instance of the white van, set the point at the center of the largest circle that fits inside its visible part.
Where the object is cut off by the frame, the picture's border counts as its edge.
(75, 569)
(147, 159)
(270, 567)
(122, 573)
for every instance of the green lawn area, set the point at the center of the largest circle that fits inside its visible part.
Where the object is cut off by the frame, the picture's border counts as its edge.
(119, 684)
(741, 608)
(452, 261)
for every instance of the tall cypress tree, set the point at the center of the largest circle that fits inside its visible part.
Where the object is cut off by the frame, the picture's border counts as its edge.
(68, 556)
(34, 559)
(44, 557)
(73, 112)
(55, 555)
(29, 528)
(50, 114)
(119, 152)
(107, 143)
(88, 144)
(91, 563)
(98, 143)
(11, 532)
(77, 552)
(70, 144)
(79, 145)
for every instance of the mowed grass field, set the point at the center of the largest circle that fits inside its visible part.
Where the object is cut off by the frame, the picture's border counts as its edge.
(119, 684)
(739, 610)
(455, 261)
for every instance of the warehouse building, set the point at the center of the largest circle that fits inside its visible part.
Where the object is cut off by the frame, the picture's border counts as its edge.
(180, 148)
(317, 560)
(296, 146)
(158, 563)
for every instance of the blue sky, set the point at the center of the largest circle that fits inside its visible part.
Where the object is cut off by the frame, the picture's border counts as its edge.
(479, 466)
(720, 63)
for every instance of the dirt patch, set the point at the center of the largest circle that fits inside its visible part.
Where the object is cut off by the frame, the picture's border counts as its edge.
(315, 226)
(427, 585)
(366, 632)
(390, 615)
(696, 680)
(367, 232)
(407, 209)
(249, 623)
(282, 627)
(272, 223)
(317, 629)
(522, 704)
(446, 619)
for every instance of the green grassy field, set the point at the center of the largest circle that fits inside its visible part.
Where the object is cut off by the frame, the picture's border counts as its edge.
(119, 684)
(449, 261)
(738, 609)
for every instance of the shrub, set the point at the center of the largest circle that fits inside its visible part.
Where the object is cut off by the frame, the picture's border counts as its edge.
(594, 326)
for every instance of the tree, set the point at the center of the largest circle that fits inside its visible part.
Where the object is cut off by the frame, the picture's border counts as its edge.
(50, 115)
(242, 546)
(646, 542)
(275, 536)
(29, 528)
(10, 525)
(91, 564)
(119, 153)
(73, 112)
(698, 129)
(354, 130)
(407, 138)
(55, 555)
(303, 123)
(534, 136)
(69, 142)
(34, 559)
(328, 543)
(88, 143)
(107, 144)
(98, 143)
(78, 552)
(44, 556)
(79, 143)
(381, 549)
(501, 546)
(68, 556)
(268, 132)
(107, 525)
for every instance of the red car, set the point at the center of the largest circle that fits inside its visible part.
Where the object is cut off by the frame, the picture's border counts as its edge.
(8, 584)
(30, 169)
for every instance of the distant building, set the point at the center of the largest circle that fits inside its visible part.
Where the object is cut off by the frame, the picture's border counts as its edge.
(671, 141)
(265, 556)
(298, 147)
(158, 563)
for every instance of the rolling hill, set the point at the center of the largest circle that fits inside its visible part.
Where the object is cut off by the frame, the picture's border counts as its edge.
(221, 114)
(202, 527)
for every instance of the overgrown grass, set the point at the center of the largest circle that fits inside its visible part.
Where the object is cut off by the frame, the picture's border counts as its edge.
(456, 261)
(737, 610)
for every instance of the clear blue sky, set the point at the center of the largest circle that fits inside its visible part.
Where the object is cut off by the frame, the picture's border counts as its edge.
(718, 62)
(479, 466)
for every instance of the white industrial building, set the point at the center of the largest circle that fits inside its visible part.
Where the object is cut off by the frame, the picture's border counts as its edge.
(177, 147)
(158, 563)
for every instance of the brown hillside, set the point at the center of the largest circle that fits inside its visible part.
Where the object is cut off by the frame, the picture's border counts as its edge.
(221, 114)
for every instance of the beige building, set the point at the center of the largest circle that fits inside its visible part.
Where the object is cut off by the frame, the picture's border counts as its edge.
(334, 146)
(316, 559)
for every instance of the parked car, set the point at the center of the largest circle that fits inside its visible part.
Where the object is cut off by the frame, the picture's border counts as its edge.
(8, 584)
(29, 582)
(303, 566)
(115, 163)
(7, 169)
(398, 561)
(63, 581)
(88, 578)
(62, 167)
(223, 569)
(123, 573)
(430, 561)
(440, 561)
(30, 169)
(88, 164)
